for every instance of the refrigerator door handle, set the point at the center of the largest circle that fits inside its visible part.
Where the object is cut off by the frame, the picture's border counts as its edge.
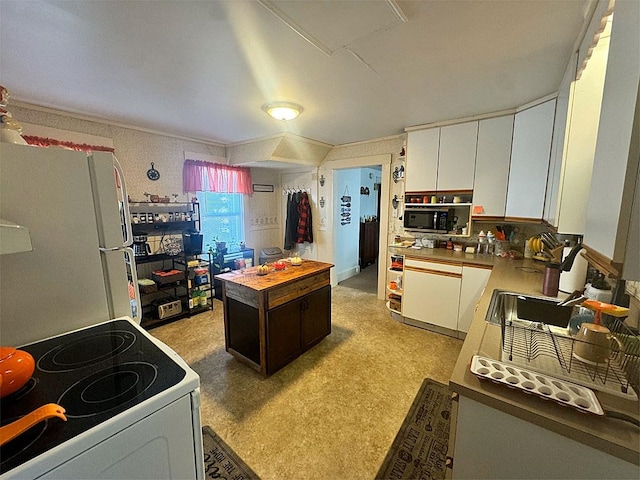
(128, 237)
(137, 312)
(111, 249)
(129, 259)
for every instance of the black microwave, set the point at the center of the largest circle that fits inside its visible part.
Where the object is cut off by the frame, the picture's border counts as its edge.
(424, 218)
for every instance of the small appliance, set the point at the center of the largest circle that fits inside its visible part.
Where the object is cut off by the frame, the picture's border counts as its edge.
(192, 242)
(426, 218)
(168, 307)
(140, 246)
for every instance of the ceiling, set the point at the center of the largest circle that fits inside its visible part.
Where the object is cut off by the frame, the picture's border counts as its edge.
(361, 69)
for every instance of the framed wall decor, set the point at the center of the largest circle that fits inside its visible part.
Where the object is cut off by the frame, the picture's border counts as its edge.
(261, 187)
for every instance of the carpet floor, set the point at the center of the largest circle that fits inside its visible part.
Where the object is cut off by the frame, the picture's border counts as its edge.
(334, 412)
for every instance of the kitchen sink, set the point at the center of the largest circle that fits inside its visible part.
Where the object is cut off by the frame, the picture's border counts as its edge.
(536, 334)
(507, 307)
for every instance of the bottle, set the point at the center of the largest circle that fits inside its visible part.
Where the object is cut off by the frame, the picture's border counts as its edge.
(481, 242)
(490, 242)
(551, 280)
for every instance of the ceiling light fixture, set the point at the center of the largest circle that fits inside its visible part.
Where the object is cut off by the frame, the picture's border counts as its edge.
(283, 110)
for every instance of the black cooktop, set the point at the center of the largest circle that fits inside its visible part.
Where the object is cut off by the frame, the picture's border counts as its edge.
(94, 373)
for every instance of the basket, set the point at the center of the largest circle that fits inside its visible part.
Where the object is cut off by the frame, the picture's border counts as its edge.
(147, 285)
(550, 350)
(163, 277)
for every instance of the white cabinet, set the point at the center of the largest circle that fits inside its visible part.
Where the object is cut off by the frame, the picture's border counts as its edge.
(580, 149)
(431, 293)
(492, 166)
(457, 156)
(474, 279)
(532, 133)
(422, 160)
(490, 443)
(615, 168)
(564, 105)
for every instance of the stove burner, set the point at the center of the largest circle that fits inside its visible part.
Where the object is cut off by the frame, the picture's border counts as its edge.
(21, 392)
(22, 442)
(86, 351)
(109, 389)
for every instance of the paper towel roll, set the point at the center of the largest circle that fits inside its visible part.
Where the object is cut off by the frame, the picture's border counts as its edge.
(575, 278)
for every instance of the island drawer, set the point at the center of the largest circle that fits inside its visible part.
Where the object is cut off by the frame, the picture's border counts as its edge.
(291, 291)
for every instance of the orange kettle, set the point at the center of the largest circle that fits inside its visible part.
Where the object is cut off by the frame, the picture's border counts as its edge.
(16, 368)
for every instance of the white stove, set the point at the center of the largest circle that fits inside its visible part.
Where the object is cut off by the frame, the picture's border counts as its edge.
(132, 407)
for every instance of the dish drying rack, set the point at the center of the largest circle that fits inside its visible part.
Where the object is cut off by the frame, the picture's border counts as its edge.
(549, 349)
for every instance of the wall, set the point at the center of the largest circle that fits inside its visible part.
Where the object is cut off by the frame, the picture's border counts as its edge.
(135, 149)
(346, 211)
(263, 221)
(363, 154)
(369, 203)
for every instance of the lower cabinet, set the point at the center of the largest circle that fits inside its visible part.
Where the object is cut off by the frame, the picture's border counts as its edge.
(296, 326)
(490, 443)
(442, 294)
(474, 279)
(431, 292)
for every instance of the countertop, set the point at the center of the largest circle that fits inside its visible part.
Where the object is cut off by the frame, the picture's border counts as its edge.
(448, 256)
(249, 278)
(618, 438)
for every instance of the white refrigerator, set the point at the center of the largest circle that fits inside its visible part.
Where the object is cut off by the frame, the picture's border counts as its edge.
(81, 270)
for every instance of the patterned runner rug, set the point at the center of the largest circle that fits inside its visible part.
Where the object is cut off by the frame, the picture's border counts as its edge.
(419, 450)
(220, 461)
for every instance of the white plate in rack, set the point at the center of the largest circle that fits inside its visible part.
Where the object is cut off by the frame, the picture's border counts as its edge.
(550, 388)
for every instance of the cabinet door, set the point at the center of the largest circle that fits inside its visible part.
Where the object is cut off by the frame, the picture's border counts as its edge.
(573, 191)
(474, 279)
(532, 132)
(492, 165)
(431, 294)
(564, 106)
(283, 335)
(422, 160)
(316, 316)
(457, 156)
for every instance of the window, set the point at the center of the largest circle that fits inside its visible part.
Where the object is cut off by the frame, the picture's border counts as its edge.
(221, 216)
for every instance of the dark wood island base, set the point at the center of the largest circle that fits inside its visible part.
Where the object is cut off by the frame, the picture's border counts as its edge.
(271, 320)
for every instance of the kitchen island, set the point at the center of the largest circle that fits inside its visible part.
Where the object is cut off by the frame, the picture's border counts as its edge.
(270, 320)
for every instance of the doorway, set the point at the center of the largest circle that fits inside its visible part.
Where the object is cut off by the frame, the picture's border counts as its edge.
(357, 206)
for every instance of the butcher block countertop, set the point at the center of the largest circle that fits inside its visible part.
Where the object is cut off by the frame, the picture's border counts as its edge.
(275, 278)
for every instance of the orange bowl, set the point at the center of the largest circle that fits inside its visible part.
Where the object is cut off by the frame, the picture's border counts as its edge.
(16, 368)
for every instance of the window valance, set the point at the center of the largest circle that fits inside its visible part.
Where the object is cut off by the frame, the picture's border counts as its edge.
(51, 142)
(201, 176)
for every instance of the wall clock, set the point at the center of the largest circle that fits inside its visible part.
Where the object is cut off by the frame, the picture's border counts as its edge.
(152, 173)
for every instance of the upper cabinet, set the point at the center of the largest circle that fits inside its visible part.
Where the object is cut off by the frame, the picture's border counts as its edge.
(492, 166)
(457, 156)
(532, 133)
(560, 129)
(422, 160)
(441, 158)
(609, 232)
